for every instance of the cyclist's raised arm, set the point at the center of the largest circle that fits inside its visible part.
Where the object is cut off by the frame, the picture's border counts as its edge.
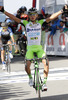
(12, 17)
(53, 16)
(9, 15)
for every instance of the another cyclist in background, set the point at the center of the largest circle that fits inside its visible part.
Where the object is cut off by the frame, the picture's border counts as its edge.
(21, 35)
(33, 29)
(6, 35)
(22, 10)
(12, 25)
(20, 31)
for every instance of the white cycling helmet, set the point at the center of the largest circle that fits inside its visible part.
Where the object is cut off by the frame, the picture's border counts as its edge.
(32, 10)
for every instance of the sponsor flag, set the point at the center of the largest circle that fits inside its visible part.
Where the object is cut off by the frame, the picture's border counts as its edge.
(43, 11)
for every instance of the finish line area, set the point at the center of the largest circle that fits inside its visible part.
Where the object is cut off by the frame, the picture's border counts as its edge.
(22, 77)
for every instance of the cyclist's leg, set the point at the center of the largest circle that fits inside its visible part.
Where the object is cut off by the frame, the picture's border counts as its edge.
(46, 69)
(10, 48)
(41, 54)
(2, 55)
(3, 58)
(29, 55)
(3, 50)
(27, 68)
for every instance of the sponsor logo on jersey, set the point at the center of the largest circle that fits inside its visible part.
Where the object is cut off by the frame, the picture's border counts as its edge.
(33, 34)
(28, 29)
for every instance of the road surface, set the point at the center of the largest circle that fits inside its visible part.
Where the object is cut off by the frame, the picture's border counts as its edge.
(14, 86)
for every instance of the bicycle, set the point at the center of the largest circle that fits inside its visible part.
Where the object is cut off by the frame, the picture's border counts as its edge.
(7, 57)
(37, 78)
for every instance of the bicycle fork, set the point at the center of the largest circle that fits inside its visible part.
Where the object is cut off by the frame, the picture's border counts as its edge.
(37, 80)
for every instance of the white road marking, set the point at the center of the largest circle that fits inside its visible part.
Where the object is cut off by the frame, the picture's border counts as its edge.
(21, 76)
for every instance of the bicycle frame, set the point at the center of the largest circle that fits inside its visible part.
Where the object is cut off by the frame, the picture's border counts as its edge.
(37, 79)
(7, 58)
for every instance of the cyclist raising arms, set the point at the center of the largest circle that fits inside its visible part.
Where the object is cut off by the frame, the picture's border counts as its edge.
(33, 29)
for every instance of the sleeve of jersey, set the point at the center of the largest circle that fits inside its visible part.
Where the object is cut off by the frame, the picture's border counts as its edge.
(9, 29)
(42, 21)
(25, 22)
(11, 33)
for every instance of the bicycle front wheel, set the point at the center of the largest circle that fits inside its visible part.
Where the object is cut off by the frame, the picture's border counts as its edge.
(8, 64)
(8, 67)
(38, 84)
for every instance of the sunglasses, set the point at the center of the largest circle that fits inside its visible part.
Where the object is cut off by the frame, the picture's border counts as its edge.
(33, 14)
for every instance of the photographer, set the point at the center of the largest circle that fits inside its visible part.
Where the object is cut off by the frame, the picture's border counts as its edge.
(65, 12)
(65, 17)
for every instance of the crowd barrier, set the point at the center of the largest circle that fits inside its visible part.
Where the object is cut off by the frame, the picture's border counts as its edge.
(58, 45)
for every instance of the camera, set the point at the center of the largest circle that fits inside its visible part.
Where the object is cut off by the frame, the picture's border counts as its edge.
(65, 10)
(65, 14)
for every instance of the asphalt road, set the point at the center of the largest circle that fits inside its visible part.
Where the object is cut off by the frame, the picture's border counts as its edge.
(14, 86)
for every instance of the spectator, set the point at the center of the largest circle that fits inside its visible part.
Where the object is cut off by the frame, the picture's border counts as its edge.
(53, 28)
(66, 27)
(60, 26)
(63, 17)
(40, 16)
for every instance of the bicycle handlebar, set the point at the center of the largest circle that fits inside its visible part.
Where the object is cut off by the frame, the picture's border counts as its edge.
(7, 44)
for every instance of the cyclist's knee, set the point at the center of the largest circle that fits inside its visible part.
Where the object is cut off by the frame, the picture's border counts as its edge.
(27, 64)
(2, 51)
(46, 62)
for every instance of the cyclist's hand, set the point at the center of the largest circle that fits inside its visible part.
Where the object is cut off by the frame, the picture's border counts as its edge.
(1, 9)
(65, 8)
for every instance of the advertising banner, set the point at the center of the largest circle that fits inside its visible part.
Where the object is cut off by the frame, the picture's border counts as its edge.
(58, 45)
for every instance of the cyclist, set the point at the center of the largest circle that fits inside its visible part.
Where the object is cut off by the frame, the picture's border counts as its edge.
(12, 25)
(33, 29)
(21, 35)
(5, 36)
(21, 28)
(21, 13)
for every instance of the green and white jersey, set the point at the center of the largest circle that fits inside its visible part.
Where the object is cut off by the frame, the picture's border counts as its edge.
(33, 32)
